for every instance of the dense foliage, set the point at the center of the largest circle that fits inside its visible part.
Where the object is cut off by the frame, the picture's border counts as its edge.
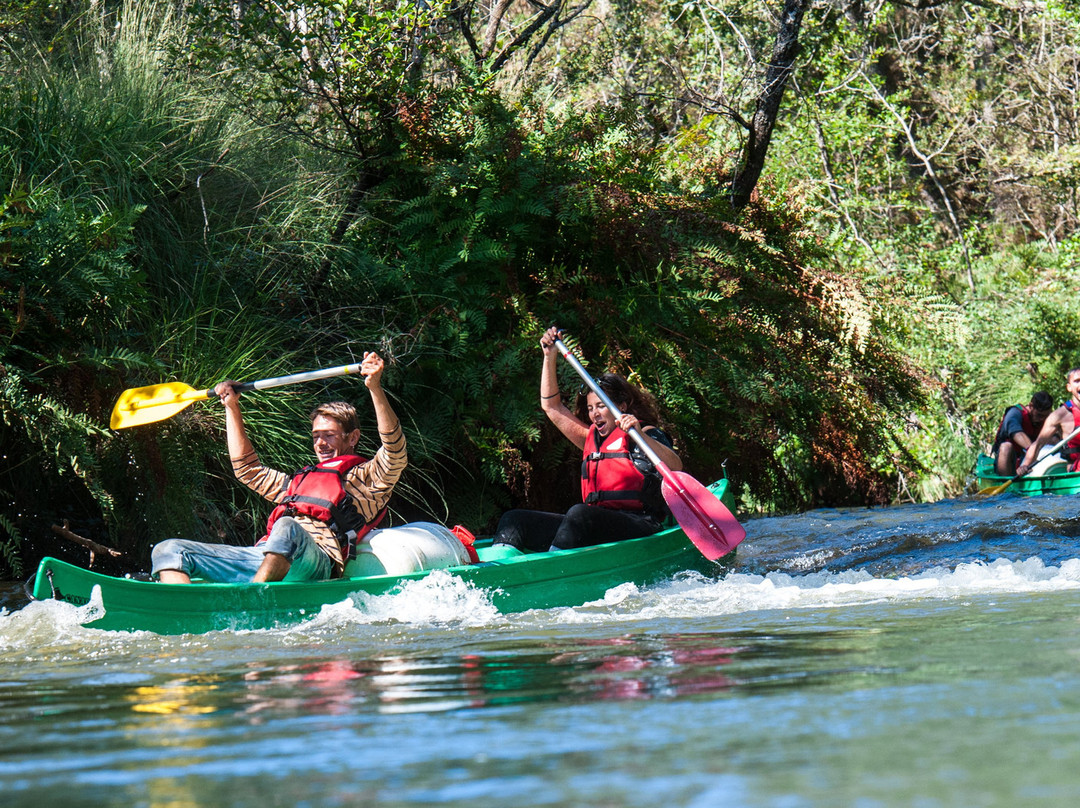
(208, 191)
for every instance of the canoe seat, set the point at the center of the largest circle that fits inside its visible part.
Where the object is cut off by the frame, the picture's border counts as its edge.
(498, 552)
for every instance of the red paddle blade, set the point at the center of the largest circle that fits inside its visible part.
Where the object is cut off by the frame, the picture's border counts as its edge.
(705, 520)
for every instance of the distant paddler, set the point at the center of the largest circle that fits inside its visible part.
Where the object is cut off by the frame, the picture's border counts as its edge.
(1019, 428)
(1062, 421)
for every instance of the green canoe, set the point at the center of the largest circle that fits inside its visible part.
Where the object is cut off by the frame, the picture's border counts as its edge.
(1056, 482)
(515, 583)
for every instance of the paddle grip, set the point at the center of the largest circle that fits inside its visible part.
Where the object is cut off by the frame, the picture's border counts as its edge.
(211, 392)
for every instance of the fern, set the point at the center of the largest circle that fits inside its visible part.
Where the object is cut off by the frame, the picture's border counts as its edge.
(9, 547)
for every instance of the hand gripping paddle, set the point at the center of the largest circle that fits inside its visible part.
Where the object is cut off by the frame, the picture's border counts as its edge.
(705, 519)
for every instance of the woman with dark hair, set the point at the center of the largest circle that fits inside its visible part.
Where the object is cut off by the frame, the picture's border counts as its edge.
(620, 487)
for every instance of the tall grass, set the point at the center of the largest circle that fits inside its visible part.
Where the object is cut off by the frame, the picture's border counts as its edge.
(138, 206)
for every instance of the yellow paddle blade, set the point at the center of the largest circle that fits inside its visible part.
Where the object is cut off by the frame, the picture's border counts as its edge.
(145, 405)
(994, 489)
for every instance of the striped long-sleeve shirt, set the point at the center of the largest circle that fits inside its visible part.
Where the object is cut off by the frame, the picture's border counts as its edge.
(369, 484)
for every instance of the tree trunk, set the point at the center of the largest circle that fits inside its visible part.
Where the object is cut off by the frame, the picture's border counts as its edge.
(761, 125)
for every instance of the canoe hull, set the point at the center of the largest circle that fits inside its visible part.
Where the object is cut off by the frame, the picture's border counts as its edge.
(534, 581)
(1063, 483)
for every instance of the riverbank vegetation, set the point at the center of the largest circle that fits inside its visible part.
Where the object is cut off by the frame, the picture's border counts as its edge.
(835, 239)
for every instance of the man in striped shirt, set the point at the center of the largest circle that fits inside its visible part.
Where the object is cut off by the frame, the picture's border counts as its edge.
(298, 545)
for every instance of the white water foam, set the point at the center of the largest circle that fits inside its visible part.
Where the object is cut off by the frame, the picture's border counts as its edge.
(692, 595)
(47, 621)
(436, 599)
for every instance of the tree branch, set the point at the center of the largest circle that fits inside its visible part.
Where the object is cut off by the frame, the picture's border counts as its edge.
(928, 164)
(90, 544)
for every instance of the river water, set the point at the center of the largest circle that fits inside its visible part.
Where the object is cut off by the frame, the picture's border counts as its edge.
(920, 655)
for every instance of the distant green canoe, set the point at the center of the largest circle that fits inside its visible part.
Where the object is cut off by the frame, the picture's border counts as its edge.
(515, 583)
(1059, 482)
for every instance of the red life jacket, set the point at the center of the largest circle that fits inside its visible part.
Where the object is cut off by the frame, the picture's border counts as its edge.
(319, 492)
(609, 477)
(1029, 427)
(1073, 453)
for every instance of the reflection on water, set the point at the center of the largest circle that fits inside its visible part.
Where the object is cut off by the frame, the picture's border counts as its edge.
(183, 697)
(635, 667)
(609, 669)
(617, 668)
(324, 687)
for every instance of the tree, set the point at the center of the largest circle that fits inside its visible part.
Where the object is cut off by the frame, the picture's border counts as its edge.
(760, 126)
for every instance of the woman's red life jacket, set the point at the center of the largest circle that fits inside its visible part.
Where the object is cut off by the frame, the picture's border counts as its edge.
(319, 492)
(609, 477)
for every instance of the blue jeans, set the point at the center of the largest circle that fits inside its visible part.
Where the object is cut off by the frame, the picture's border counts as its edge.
(225, 563)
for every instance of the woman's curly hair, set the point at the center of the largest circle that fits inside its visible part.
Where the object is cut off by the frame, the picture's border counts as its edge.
(626, 397)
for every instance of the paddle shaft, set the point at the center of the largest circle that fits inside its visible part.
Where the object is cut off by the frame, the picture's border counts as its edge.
(262, 384)
(295, 378)
(1047, 453)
